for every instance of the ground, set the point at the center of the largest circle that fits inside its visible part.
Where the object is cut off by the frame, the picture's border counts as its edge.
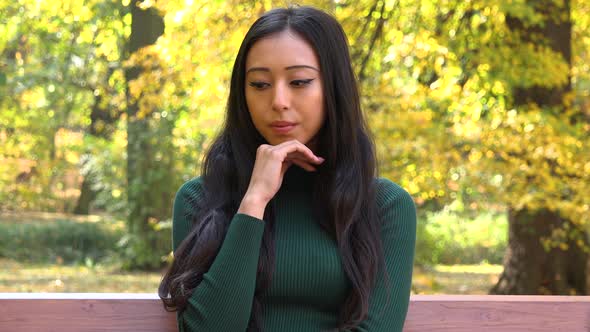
(19, 277)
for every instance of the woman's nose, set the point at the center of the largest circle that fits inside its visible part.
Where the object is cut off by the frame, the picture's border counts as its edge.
(281, 99)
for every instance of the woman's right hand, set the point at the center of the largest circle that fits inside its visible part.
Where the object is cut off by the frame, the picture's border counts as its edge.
(272, 161)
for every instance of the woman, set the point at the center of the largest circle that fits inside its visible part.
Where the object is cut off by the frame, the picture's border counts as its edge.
(287, 229)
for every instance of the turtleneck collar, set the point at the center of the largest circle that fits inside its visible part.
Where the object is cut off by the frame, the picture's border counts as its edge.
(298, 178)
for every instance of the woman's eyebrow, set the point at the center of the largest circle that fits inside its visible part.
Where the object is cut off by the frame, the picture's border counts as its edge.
(257, 69)
(265, 69)
(301, 66)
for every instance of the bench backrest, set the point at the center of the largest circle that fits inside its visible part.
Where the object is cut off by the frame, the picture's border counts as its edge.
(80, 312)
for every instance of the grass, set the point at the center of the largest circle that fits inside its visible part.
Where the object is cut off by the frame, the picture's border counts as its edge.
(55, 275)
(455, 279)
(19, 277)
(45, 278)
(39, 217)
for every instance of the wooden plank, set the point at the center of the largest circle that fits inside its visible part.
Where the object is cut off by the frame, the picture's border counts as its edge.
(23, 312)
(84, 312)
(79, 296)
(506, 313)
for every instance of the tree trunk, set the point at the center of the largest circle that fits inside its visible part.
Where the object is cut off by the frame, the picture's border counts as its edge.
(529, 267)
(87, 196)
(146, 26)
(102, 124)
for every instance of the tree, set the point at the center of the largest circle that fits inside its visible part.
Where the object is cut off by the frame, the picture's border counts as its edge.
(51, 53)
(107, 92)
(458, 95)
(531, 267)
(149, 132)
(453, 91)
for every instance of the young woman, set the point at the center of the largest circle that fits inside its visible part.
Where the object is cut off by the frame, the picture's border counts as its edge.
(288, 228)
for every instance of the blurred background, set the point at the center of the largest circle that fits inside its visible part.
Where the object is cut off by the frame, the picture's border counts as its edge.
(479, 108)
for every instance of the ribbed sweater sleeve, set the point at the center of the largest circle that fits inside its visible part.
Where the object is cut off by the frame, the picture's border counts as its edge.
(398, 213)
(223, 300)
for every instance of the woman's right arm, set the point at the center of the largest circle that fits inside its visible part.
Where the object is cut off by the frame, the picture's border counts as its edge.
(223, 300)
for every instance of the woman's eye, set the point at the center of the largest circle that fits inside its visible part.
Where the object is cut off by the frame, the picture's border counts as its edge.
(299, 83)
(259, 85)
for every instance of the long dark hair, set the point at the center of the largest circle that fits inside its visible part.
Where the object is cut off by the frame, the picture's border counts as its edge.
(344, 183)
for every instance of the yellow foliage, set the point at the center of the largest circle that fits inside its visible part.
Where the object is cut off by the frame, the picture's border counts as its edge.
(437, 91)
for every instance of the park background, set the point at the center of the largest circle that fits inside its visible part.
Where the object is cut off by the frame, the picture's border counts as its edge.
(479, 108)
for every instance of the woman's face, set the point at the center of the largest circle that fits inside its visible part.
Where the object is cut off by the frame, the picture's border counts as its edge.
(284, 90)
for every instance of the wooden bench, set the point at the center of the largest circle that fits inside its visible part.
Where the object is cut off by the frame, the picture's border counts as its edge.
(23, 312)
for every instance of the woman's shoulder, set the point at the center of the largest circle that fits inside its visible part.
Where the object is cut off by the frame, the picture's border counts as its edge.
(191, 189)
(387, 188)
(389, 192)
(184, 209)
(184, 203)
(397, 211)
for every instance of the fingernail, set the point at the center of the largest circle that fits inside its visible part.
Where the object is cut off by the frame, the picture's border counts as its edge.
(321, 159)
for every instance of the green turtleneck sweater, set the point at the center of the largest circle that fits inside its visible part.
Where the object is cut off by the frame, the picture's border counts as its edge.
(309, 284)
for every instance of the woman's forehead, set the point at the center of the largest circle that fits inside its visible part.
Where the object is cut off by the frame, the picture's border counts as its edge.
(281, 51)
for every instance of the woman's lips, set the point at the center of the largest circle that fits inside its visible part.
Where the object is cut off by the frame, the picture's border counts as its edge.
(282, 127)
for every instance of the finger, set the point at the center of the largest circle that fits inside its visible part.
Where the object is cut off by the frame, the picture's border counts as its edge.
(295, 146)
(303, 157)
(302, 160)
(304, 165)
